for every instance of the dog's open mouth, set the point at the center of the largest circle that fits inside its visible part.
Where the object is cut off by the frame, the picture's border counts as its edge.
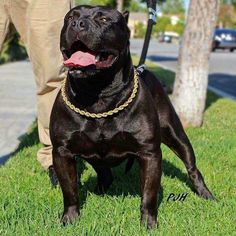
(80, 56)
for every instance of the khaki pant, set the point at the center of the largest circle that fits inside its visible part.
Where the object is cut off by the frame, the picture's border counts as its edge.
(39, 23)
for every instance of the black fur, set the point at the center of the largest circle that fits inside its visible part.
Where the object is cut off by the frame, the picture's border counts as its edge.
(135, 133)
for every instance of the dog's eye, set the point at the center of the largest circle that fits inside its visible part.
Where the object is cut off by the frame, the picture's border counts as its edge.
(103, 19)
(70, 18)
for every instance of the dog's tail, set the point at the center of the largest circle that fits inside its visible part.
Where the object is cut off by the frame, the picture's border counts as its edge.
(129, 164)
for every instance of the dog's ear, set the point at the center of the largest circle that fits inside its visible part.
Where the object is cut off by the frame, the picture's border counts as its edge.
(126, 16)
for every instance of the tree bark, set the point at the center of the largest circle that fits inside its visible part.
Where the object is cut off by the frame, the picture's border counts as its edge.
(120, 5)
(191, 81)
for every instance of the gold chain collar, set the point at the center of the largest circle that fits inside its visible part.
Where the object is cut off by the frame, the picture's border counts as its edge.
(103, 114)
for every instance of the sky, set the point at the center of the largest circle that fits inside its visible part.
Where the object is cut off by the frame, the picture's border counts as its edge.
(186, 3)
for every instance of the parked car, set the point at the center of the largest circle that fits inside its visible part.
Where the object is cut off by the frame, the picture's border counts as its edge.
(168, 37)
(224, 39)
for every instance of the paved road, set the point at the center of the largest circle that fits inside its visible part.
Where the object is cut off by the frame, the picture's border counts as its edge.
(17, 105)
(222, 76)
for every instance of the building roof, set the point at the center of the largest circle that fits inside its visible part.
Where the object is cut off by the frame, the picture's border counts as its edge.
(138, 16)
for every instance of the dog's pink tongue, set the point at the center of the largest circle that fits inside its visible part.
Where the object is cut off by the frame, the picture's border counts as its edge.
(80, 59)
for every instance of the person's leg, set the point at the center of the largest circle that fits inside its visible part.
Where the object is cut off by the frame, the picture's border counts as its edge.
(41, 34)
(4, 22)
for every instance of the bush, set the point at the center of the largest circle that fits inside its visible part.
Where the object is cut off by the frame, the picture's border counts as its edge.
(13, 49)
(140, 30)
(162, 23)
(178, 28)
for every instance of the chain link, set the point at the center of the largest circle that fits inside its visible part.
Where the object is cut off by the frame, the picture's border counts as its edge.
(103, 114)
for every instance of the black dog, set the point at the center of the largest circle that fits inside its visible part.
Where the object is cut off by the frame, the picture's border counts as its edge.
(101, 77)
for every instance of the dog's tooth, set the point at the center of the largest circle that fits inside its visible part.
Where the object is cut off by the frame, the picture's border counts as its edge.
(70, 72)
(78, 72)
(97, 58)
(74, 72)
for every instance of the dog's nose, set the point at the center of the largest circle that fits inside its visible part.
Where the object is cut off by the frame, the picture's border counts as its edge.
(73, 23)
(80, 24)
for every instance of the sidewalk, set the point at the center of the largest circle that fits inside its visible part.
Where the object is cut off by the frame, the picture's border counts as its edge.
(17, 105)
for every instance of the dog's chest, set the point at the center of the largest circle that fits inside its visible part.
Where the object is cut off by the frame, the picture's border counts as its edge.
(102, 142)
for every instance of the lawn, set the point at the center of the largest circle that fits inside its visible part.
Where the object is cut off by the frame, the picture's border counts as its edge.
(29, 206)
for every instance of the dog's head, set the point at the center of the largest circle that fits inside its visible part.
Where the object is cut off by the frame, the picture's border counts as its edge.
(93, 39)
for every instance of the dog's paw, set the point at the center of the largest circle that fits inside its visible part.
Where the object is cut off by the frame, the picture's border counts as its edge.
(149, 221)
(70, 215)
(206, 194)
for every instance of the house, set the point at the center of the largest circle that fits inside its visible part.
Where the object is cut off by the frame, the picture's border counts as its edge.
(134, 19)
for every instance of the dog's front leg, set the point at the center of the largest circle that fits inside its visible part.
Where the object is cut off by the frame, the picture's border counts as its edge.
(65, 167)
(150, 179)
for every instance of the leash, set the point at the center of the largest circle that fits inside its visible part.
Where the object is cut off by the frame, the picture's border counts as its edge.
(153, 10)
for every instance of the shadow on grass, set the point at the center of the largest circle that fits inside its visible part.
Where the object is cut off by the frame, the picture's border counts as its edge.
(129, 184)
(29, 139)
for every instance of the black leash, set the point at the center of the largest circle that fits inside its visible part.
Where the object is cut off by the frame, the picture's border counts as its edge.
(151, 4)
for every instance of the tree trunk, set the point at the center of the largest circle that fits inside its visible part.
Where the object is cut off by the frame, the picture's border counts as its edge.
(120, 5)
(191, 82)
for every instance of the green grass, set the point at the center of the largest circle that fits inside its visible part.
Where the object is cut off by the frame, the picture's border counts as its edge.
(28, 205)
